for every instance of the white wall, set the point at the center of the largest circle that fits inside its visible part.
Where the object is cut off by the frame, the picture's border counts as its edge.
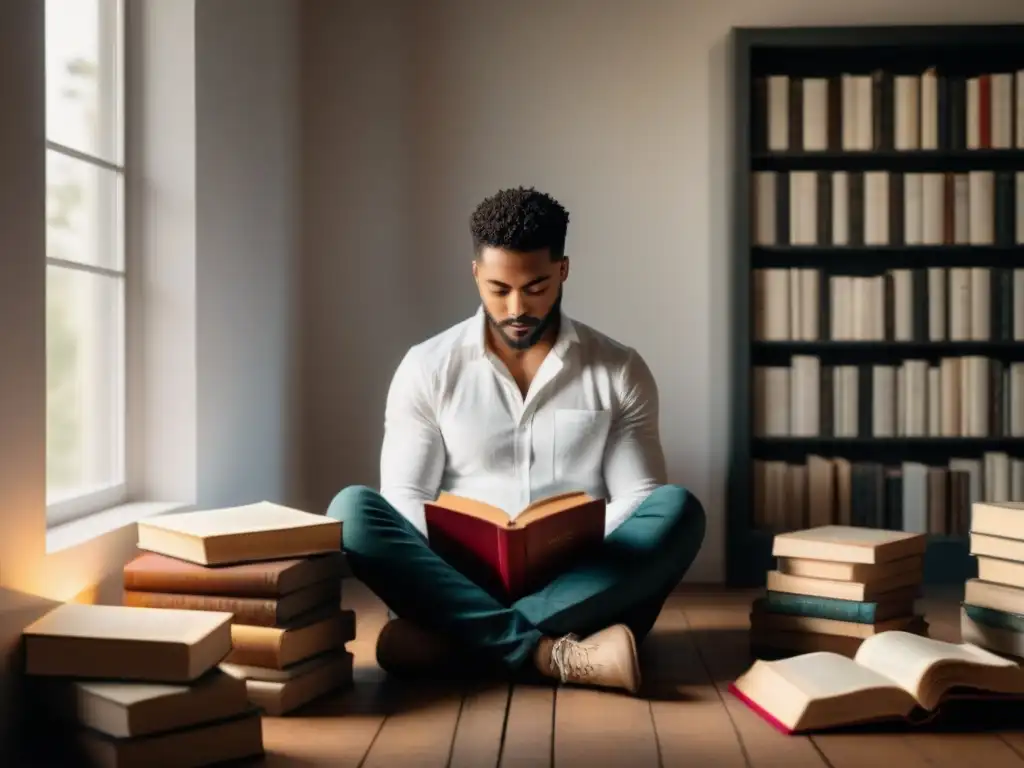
(213, 173)
(247, 238)
(618, 109)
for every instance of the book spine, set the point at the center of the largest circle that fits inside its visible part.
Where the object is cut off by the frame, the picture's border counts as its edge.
(820, 607)
(210, 582)
(990, 617)
(246, 610)
(513, 562)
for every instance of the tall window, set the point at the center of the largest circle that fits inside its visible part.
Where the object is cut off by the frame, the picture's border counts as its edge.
(85, 257)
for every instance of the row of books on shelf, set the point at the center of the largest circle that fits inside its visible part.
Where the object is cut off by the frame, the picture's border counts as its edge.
(885, 110)
(969, 396)
(913, 305)
(887, 208)
(909, 496)
(854, 592)
(227, 615)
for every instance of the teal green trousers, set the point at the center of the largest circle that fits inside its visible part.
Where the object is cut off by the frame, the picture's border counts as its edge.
(627, 581)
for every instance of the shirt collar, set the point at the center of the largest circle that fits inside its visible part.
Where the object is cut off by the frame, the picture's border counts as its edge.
(475, 335)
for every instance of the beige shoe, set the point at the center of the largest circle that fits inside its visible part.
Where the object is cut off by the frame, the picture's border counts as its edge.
(606, 659)
(404, 648)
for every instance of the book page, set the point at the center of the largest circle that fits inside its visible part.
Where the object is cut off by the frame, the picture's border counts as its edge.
(822, 675)
(909, 660)
(473, 508)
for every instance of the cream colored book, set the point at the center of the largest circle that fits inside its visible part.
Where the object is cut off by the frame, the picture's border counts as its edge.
(849, 544)
(282, 647)
(1004, 519)
(862, 572)
(262, 531)
(222, 741)
(125, 710)
(841, 590)
(894, 675)
(156, 645)
(280, 697)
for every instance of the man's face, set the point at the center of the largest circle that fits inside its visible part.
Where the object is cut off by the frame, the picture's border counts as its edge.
(521, 292)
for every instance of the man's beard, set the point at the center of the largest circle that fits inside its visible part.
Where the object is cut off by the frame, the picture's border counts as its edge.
(538, 326)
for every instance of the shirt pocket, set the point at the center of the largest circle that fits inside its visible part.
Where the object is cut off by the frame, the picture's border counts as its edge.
(579, 441)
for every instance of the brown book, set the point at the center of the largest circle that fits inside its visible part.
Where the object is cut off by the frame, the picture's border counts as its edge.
(262, 611)
(125, 710)
(249, 533)
(893, 676)
(119, 642)
(774, 643)
(849, 544)
(280, 647)
(281, 697)
(512, 557)
(208, 744)
(150, 572)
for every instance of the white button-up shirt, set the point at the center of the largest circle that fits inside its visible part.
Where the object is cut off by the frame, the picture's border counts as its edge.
(456, 421)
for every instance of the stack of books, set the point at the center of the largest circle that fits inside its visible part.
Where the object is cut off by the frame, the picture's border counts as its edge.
(145, 686)
(278, 572)
(992, 614)
(835, 586)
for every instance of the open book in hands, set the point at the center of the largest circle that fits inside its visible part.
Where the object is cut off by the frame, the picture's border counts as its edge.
(893, 675)
(510, 557)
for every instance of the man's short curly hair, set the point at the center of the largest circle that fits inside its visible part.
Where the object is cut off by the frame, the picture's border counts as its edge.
(520, 220)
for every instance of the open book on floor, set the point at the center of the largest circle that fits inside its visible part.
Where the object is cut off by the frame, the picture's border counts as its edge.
(512, 556)
(894, 675)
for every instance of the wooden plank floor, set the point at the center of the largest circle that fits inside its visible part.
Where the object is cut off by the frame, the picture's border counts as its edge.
(683, 717)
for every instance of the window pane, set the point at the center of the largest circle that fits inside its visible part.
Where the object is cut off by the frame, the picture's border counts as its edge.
(84, 382)
(84, 212)
(83, 76)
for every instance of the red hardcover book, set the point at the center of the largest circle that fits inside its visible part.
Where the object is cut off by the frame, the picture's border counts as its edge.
(895, 675)
(512, 557)
(985, 111)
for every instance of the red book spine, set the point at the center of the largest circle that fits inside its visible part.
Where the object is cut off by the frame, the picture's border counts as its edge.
(514, 564)
(985, 112)
(759, 710)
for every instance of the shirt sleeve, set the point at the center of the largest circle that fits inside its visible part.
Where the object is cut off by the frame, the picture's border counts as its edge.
(634, 463)
(412, 456)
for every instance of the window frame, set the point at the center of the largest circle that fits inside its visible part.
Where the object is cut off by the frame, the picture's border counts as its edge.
(66, 508)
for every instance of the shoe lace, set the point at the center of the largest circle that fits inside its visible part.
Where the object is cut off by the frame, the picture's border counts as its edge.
(571, 658)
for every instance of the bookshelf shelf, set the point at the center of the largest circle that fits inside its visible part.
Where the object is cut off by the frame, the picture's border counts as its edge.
(878, 214)
(870, 259)
(921, 161)
(880, 352)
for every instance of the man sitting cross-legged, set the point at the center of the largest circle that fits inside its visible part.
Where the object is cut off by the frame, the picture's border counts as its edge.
(515, 404)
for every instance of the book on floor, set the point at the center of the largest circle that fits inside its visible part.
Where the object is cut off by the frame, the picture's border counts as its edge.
(128, 710)
(212, 743)
(511, 555)
(280, 647)
(849, 544)
(125, 643)
(261, 531)
(260, 611)
(894, 675)
(152, 572)
(313, 681)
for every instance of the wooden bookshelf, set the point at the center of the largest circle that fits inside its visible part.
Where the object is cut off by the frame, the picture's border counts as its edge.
(952, 148)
